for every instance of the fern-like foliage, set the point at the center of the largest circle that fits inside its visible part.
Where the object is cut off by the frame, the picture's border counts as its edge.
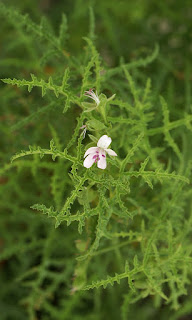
(42, 31)
(75, 231)
(43, 84)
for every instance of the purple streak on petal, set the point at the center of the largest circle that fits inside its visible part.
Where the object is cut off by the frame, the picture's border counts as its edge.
(96, 158)
(92, 150)
(88, 162)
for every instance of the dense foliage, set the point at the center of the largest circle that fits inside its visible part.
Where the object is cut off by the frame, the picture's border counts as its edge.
(79, 243)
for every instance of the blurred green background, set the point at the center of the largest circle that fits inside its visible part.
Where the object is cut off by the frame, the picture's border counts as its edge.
(124, 30)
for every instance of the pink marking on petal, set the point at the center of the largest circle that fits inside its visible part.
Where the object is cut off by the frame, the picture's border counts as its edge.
(96, 158)
(102, 163)
(88, 162)
(103, 155)
(91, 150)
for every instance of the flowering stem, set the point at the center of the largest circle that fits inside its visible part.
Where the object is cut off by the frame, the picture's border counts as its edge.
(101, 109)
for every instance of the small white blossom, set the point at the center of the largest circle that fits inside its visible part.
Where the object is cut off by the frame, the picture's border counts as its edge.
(98, 154)
(84, 127)
(91, 94)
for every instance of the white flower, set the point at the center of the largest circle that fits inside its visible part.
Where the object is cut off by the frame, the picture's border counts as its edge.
(91, 94)
(98, 154)
(84, 127)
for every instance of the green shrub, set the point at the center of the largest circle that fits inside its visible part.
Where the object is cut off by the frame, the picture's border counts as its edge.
(81, 243)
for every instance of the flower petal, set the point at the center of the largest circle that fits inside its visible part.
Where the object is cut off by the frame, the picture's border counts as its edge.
(88, 162)
(104, 142)
(91, 150)
(111, 152)
(91, 94)
(102, 163)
